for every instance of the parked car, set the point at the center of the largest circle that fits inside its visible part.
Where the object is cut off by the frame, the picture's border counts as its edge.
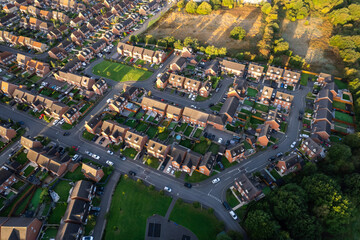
(75, 157)
(168, 189)
(66, 134)
(271, 158)
(110, 152)
(110, 163)
(280, 154)
(55, 122)
(168, 169)
(132, 173)
(172, 172)
(97, 157)
(220, 140)
(188, 185)
(216, 180)
(122, 157)
(226, 206)
(233, 215)
(293, 144)
(220, 165)
(275, 147)
(97, 209)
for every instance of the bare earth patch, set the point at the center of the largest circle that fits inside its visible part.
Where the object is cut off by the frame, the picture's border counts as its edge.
(312, 43)
(213, 29)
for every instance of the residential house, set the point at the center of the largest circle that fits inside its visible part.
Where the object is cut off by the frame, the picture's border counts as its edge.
(192, 85)
(23, 9)
(7, 133)
(109, 18)
(274, 73)
(148, 55)
(38, 46)
(177, 155)
(92, 172)
(157, 150)
(324, 94)
(85, 15)
(66, 45)
(34, 11)
(135, 140)
(85, 31)
(324, 78)
(6, 58)
(9, 19)
(323, 115)
(273, 120)
(98, 46)
(291, 78)
(263, 131)
(323, 103)
(195, 117)
(77, 37)
(238, 90)
(108, 37)
(7, 178)
(100, 87)
(173, 112)
(69, 231)
(114, 131)
(72, 66)
(118, 102)
(76, 212)
(125, 49)
(178, 65)
(235, 153)
(322, 129)
(83, 190)
(283, 99)
(29, 143)
(92, 125)
(149, 104)
(205, 89)
(246, 188)
(54, 34)
(207, 163)
(93, 25)
(96, 9)
(19, 228)
(10, 8)
(45, 14)
(310, 148)
(76, 80)
(332, 87)
(85, 55)
(117, 10)
(37, 67)
(255, 71)
(191, 161)
(147, 8)
(229, 108)
(266, 95)
(76, 22)
(117, 29)
(57, 53)
(138, 52)
(217, 121)
(212, 68)
(71, 115)
(131, 91)
(109, 3)
(7, 88)
(60, 16)
(162, 80)
(176, 81)
(288, 164)
(230, 67)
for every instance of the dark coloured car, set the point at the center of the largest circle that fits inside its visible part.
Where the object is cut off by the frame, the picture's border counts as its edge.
(280, 154)
(188, 185)
(275, 146)
(221, 166)
(271, 158)
(95, 138)
(66, 134)
(132, 173)
(226, 206)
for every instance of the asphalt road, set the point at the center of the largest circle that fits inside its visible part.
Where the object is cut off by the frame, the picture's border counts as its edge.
(40, 56)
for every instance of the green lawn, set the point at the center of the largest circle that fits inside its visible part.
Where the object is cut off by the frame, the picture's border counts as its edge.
(346, 97)
(120, 72)
(200, 221)
(344, 117)
(153, 162)
(261, 107)
(76, 175)
(133, 203)
(197, 177)
(131, 123)
(201, 147)
(214, 148)
(62, 188)
(283, 126)
(35, 201)
(164, 135)
(275, 174)
(88, 136)
(66, 126)
(18, 185)
(251, 92)
(197, 133)
(186, 143)
(217, 107)
(151, 132)
(57, 213)
(341, 84)
(188, 131)
(84, 108)
(129, 152)
(201, 98)
(28, 170)
(142, 127)
(339, 105)
(172, 125)
(21, 158)
(249, 103)
(181, 128)
(231, 199)
(225, 163)
(50, 233)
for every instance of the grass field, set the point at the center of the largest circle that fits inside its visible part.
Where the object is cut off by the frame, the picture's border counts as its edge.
(57, 213)
(197, 177)
(231, 199)
(181, 128)
(63, 188)
(341, 84)
(76, 175)
(201, 222)
(251, 92)
(201, 147)
(133, 203)
(120, 72)
(50, 233)
(188, 131)
(344, 117)
(197, 133)
(339, 105)
(151, 132)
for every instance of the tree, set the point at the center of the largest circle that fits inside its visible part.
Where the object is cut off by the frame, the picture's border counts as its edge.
(266, 8)
(260, 225)
(223, 236)
(305, 227)
(352, 186)
(181, 4)
(204, 8)
(43, 195)
(238, 33)
(280, 45)
(149, 39)
(216, 4)
(234, 235)
(352, 140)
(133, 38)
(178, 44)
(228, 3)
(340, 16)
(191, 7)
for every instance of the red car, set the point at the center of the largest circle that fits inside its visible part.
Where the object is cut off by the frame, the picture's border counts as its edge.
(75, 147)
(275, 147)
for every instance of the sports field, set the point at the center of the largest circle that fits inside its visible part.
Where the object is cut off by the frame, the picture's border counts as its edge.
(120, 72)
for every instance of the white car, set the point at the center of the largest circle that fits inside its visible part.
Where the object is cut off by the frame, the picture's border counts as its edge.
(55, 122)
(172, 172)
(95, 156)
(89, 153)
(161, 65)
(193, 98)
(110, 152)
(190, 95)
(168, 189)
(285, 86)
(216, 180)
(110, 163)
(220, 140)
(76, 156)
(233, 215)
(293, 144)
(168, 169)
(61, 121)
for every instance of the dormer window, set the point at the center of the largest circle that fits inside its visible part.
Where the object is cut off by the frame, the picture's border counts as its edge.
(160, 148)
(258, 69)
(294, 76)
(288, 99)
(152, 146)
(271, 70)
(136, 139)
(252, 68)
(130, 136)
(280, 97)
(277, 72)
(288, 75)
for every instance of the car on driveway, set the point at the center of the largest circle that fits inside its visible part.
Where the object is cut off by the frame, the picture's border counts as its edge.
(168, 169)
(216, 180)
(188, 185)
(168, 189)
(110, 163)
(293, 144)
(233, 215)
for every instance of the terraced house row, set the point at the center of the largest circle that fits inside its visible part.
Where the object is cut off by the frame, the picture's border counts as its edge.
(6, 36)
(141, 53)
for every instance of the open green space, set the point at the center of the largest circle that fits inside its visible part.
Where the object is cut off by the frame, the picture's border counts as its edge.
(197, 177)
(63, 188)
(164, 135)
(346, 97)
(66, 126)
(18, 185)
(57, 213)
(231, 199)
(339, 105)
(152, 162)
(88, 136)
(120, 72)
(251, 92)
(172, 125)
(84, 108)
(133, 203)
(151, 132)
(201, 98)
(216, 107)
(186, 143)
(305, 78)
(283, 126)
(344, 117)
(225, 163)
(76, 175)
(188, 131)
(214, 148)
(249, 103)
(21, 207)
(131, 123)
(201, 222)
(35, 200)
(129, 152)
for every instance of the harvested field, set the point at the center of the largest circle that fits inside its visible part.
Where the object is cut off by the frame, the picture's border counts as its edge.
(213, 29)
(311, 41)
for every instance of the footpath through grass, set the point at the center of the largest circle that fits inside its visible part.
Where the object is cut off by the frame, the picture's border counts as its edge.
(120, 72)
(202, 222)
(131, 205)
